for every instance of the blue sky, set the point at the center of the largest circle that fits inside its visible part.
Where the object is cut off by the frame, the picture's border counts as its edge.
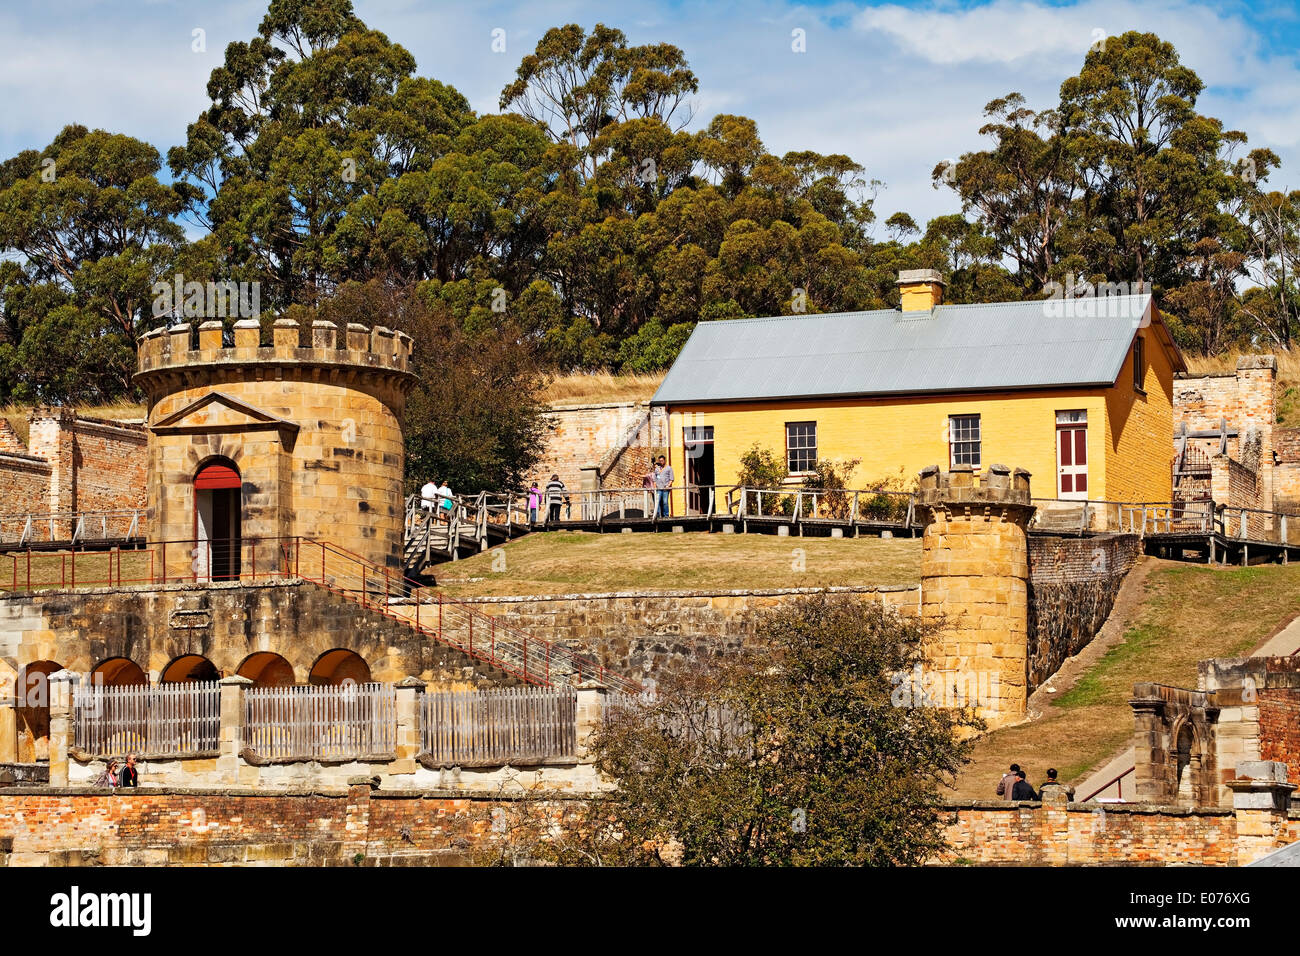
(899, 86)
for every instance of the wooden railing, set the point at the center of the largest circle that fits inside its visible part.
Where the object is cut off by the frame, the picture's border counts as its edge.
(164, 720)
(500, 726)
(34, 528)
(349, 721)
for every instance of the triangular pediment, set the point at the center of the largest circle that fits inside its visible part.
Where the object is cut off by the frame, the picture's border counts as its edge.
(217, 412)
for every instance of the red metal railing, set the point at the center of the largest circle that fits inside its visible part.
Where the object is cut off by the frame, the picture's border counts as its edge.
(383, 590)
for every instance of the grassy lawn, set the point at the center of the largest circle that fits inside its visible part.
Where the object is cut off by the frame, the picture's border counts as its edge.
(561, 562)
(1189, 612)
(60, 569)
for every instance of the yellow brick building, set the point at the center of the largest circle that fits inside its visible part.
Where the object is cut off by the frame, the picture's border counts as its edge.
(1077, 391)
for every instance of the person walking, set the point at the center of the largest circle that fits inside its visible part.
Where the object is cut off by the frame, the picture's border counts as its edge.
(534, 502)
(129, 776)
(554, 498)
(663, 488)
(446, 501)
(1051, 781)
(429, 495)
(1008, 782)
(1022, 790)
(109, 777)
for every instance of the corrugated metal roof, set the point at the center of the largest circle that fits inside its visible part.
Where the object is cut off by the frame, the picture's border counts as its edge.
(1040, 344)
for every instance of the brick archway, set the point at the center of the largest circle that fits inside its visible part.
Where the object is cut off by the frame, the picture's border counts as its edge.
(338, 666)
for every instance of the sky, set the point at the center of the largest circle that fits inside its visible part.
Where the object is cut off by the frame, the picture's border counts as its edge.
(898, 86)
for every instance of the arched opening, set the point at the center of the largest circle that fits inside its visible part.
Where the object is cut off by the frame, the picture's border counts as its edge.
(1184, 785)
(217, 506)
(32, 715)
(118, 672)
(338, 666)
(266, 669)
(189, 667)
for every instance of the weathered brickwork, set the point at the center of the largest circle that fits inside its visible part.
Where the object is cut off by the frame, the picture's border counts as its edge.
(1234, 485)
(610, 443)
(1246, 401)
(641, 632)
(1286, 472)
(1080, 835)
(314, 431)
(1059, 560)
(73, 463)
(359, 826)
(24, 484)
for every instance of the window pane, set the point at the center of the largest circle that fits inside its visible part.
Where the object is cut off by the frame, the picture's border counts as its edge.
(964, 438)
(800, 446)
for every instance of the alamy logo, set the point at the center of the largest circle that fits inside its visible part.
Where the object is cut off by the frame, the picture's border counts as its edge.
(77, 909)
(207, 300)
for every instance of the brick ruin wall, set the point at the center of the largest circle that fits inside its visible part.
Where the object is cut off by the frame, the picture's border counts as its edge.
(1246, 401)
(617, 438)
(74, 463)
(1286, 474)
(358, 826)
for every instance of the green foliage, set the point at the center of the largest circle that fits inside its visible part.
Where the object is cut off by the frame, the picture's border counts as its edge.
(798, 753)
(831, 479)
(652, 347)
(764, 468)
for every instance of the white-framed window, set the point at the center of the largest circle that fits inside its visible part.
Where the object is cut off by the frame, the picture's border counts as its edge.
(800, 447)
(964, 440)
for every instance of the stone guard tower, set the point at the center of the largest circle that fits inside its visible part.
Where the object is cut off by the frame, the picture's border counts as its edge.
(975, 577)
(254, 443)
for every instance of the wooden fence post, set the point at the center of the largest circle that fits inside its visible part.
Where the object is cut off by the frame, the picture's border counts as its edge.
(9, 725)
(231, 740)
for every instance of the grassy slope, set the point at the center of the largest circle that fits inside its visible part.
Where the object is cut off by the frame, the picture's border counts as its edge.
(582, 388)
(1189, 612)
(560, 562)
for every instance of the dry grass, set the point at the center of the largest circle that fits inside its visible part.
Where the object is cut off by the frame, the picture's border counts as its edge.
(561, 562)
(16, 415)
(1288, 378)
(594, 388)
(1187, 613)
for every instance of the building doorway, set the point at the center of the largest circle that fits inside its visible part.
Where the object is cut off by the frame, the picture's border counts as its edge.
(697, 443)
(1072, 455)
(217, 506)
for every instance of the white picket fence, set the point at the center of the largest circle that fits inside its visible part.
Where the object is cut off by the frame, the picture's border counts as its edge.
(328, 722)
(506, 725)
(166, 720)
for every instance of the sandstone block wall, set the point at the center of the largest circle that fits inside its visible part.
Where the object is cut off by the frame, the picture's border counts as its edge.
(154, 625)
(639, 633)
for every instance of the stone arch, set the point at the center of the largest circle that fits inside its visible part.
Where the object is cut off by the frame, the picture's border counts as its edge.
(119, 672)
(267, 669)
(338, 665)
(32, 715)
(189, 667)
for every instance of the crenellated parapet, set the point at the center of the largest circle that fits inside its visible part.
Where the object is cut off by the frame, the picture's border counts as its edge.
(999, 485)
(171, 357)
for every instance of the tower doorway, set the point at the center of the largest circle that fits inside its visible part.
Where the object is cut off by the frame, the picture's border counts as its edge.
(217, 505)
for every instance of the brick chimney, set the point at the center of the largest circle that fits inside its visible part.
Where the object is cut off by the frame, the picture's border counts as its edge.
(920, 289)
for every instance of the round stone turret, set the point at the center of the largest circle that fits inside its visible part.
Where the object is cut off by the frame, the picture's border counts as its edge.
(253, 442)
